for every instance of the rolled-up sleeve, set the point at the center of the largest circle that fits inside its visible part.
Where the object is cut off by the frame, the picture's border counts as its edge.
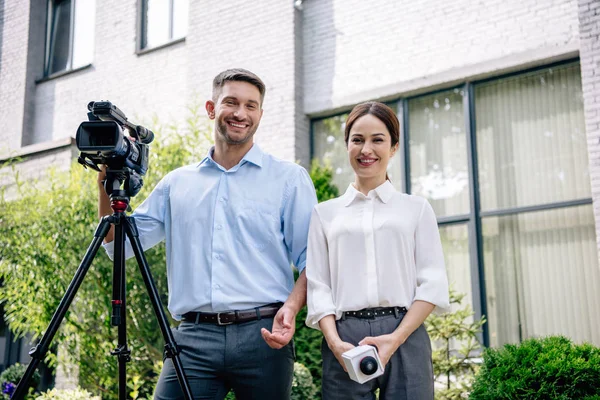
(432, 280)
(300, 198)
(149, 219)
(319, 296)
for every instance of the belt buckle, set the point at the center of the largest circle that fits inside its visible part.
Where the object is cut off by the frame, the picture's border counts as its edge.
(220, 323)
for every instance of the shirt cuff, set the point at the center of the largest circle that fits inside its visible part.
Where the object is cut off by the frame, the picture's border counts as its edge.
(441, 303)
(110, 249)
(312, 320)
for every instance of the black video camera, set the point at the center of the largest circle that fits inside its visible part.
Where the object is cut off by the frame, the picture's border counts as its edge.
(101, 141)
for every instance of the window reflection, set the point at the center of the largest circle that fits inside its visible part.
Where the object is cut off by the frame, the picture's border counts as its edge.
(438, 152)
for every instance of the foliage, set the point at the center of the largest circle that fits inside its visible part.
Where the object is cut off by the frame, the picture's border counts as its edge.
(73, 394)
(11, 376)
(322, 176)
(454, 369)
(44, 238)
(540, 368)
(303, 387)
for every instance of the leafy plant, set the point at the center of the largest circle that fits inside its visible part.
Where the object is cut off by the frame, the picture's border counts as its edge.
(545, 368)
(453, 368)
(11, 376)
(322, 177)
(67, 394)
(303, 387)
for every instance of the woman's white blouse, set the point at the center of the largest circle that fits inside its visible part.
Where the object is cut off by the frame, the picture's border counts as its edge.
(379, 250)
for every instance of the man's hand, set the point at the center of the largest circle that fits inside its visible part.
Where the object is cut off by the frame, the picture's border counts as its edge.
(102, 173)
(386, 346)
(284, 326)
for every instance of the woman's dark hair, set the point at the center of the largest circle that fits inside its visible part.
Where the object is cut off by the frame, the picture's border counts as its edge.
(381, 112)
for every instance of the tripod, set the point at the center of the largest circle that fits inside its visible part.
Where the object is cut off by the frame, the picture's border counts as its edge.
(124, 225)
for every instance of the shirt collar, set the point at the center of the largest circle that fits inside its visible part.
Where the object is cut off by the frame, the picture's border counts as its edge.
(254, 156)
(384, 191)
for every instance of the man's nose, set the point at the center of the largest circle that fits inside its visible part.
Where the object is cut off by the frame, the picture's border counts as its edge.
(239, 113)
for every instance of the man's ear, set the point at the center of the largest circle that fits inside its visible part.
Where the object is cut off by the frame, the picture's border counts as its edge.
(210, 109)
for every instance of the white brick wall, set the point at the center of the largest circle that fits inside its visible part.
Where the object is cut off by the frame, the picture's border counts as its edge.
(358, 50)
(14, 28)
(589, 26)
(256, 36)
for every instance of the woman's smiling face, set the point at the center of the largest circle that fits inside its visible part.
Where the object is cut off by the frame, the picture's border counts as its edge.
(370, 147)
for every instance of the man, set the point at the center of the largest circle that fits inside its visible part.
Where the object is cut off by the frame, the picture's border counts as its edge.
(232, 224)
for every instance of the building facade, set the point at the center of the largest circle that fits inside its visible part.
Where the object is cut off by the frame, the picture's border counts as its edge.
(499, 103)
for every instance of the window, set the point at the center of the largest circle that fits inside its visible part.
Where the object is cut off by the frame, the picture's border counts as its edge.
(70, 35)
(163, 21)
(516, 146)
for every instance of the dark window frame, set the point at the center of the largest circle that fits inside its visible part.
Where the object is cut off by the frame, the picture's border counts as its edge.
(52, 5)
(49, 46)
(142, 46)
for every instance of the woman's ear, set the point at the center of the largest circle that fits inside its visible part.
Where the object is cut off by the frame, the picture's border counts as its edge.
(394, 150)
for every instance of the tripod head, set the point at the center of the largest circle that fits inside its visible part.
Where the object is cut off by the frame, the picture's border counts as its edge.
(119, 198)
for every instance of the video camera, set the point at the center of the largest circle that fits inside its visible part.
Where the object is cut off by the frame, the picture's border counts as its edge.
(101, 141)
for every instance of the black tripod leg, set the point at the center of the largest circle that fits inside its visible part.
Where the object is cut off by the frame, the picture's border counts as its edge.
(119, 314)
(171, 349)
(38, 352)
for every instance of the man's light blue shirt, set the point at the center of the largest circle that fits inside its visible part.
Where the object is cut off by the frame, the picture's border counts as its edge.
(231, 235)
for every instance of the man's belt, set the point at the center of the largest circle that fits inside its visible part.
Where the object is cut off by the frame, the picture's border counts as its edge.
(232, 317)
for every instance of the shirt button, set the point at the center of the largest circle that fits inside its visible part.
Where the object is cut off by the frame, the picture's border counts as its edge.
(217, 287)
(217, 257)
(223, 199)
(219, 226)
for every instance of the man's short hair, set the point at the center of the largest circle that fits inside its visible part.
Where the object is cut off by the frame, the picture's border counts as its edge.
(237, 75)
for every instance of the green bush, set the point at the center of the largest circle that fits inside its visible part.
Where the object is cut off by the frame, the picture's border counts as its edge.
(453, 368)
(546, 368)
(11, 376)
(322, 176)
(303, 387)
(74, 394)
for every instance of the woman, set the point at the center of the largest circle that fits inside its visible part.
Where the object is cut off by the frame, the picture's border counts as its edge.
(375, 269)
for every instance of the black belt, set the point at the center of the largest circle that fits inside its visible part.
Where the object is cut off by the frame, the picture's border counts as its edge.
(232, 317)
(374, 312)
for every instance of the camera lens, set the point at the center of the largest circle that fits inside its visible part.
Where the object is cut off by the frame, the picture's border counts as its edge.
(368, 365)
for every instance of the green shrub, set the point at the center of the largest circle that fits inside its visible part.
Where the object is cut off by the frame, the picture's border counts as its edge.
(11, 376)
(303, 387)
(62, 394)
(453, 368)
(322, 176)
(546, 368)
